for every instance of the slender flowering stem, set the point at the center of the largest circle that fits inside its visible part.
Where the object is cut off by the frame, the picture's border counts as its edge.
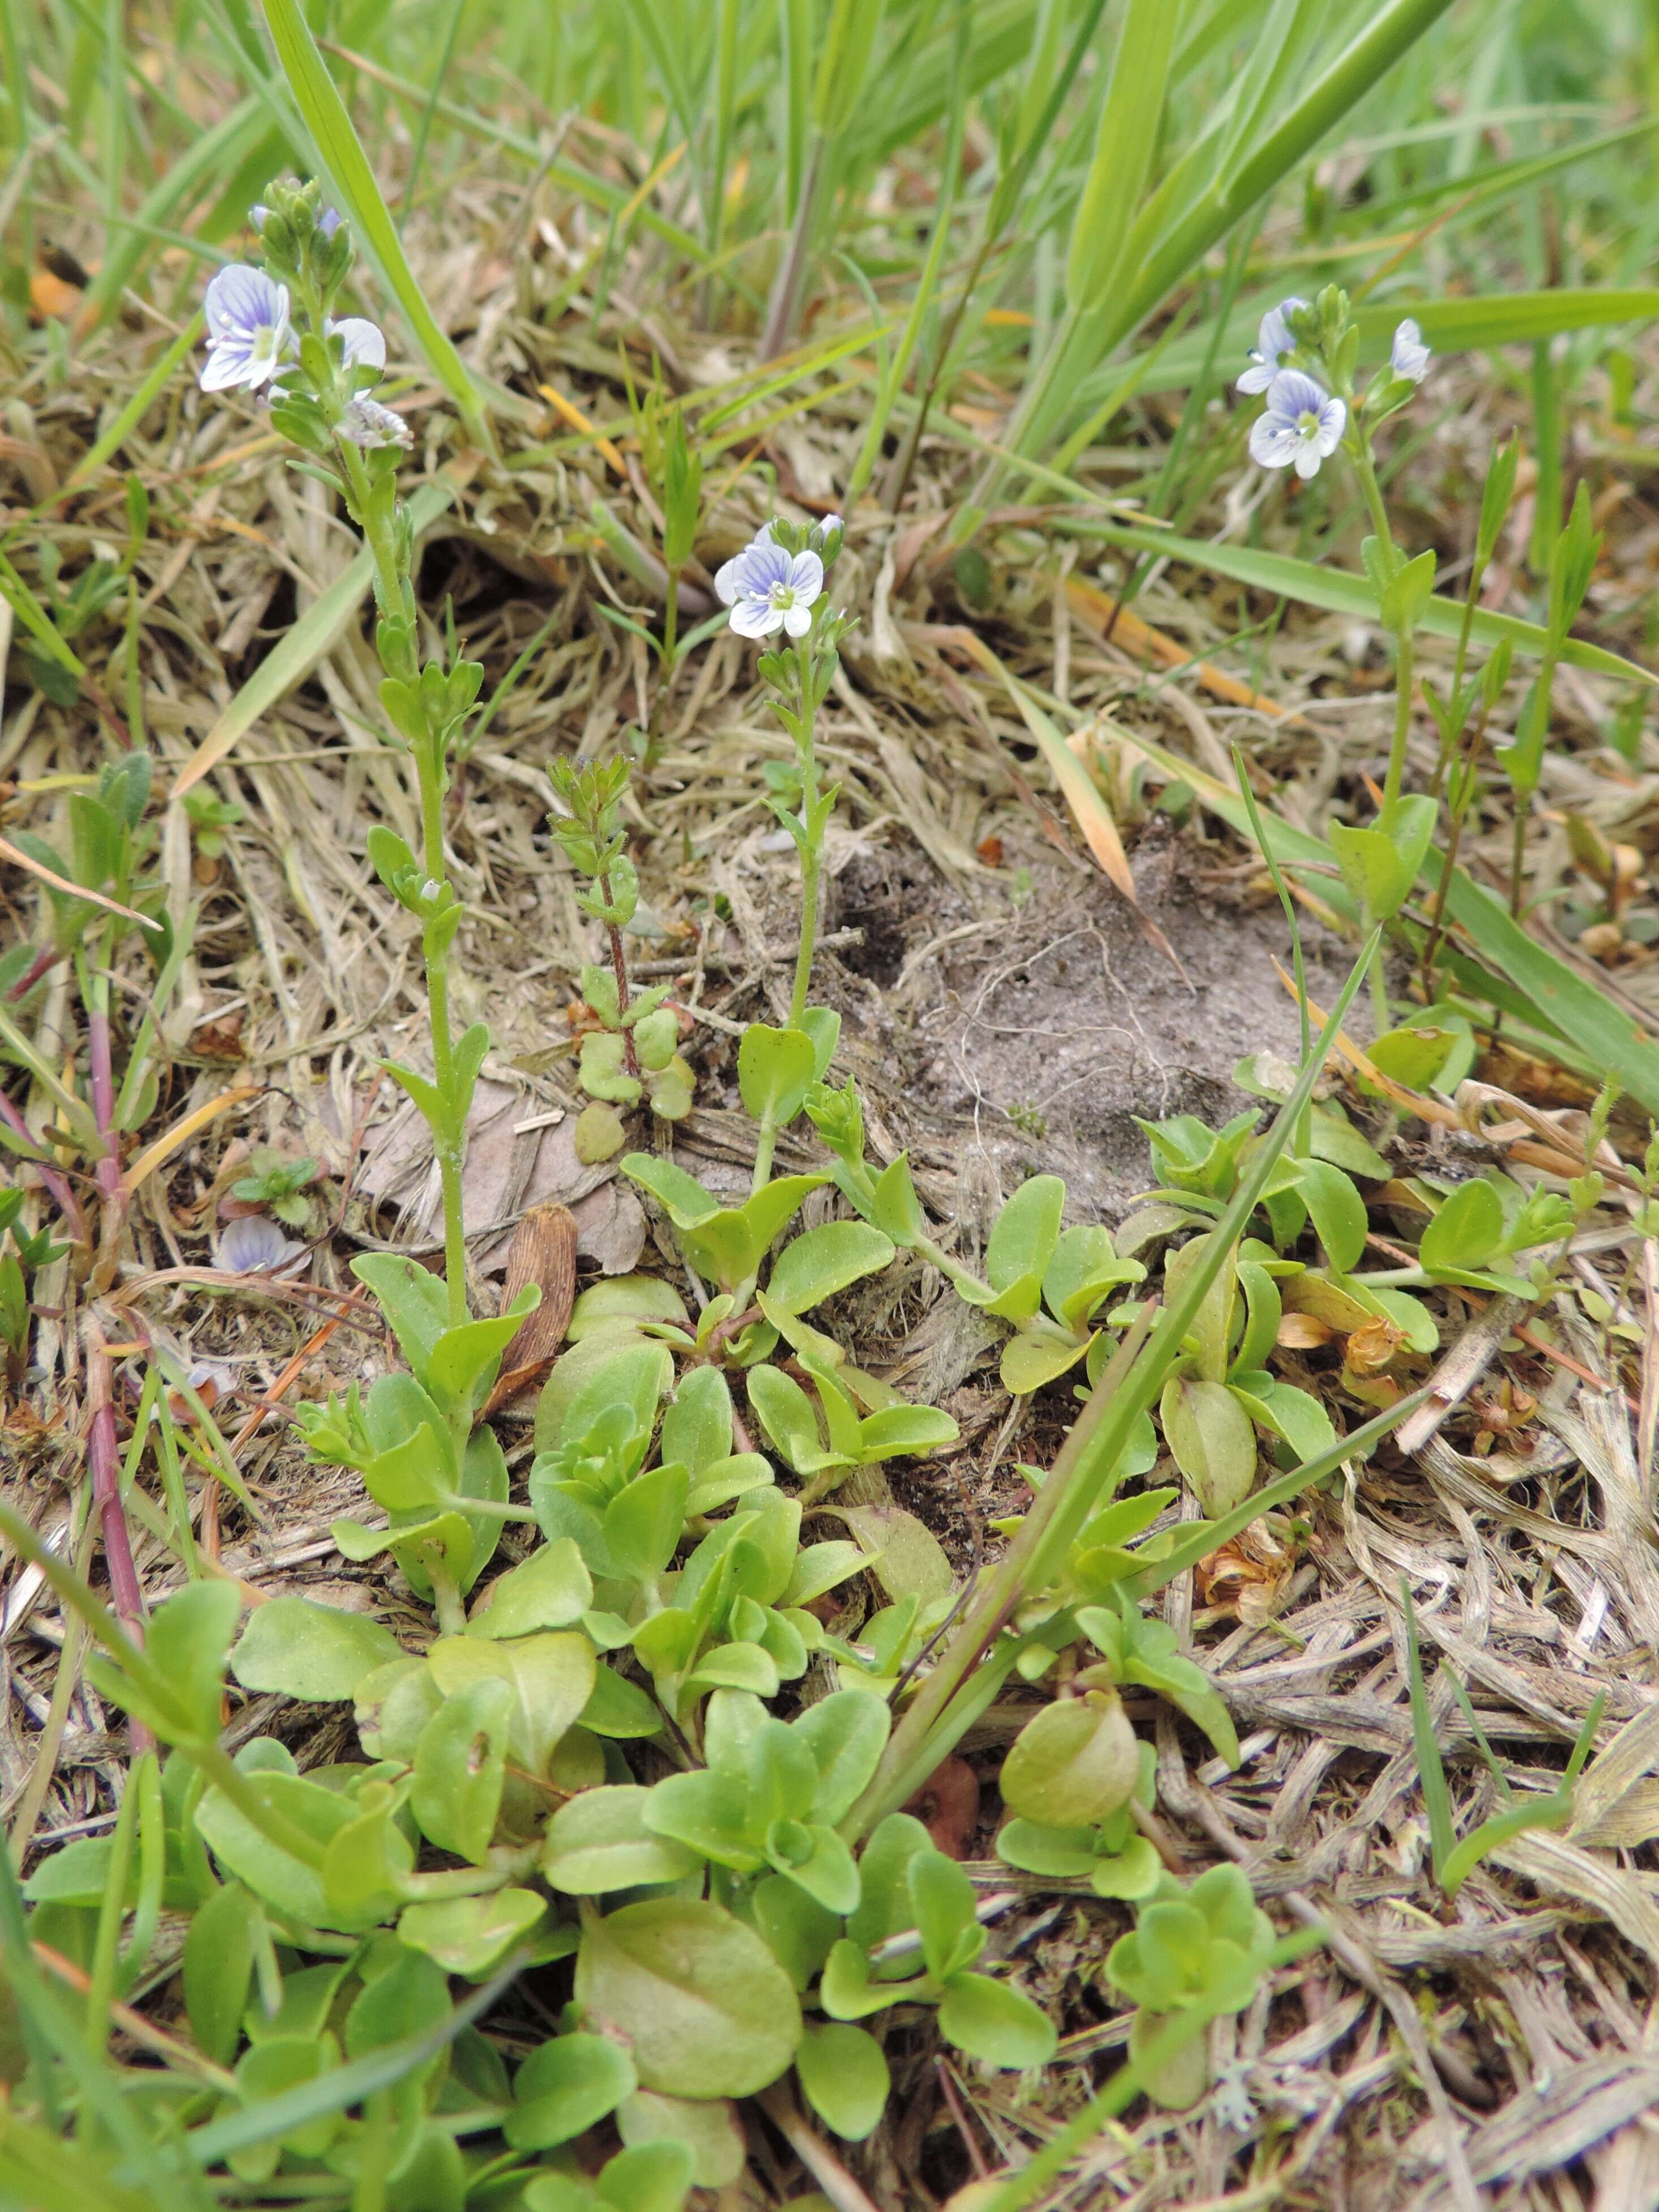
(1366, 470)
(1405, 677)
(379, 535)
(811, 847)
(447, 1148)
(619, 967)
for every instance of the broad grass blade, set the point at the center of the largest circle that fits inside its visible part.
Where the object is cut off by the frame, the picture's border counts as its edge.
(323, 113)
(305, 645)
(1338, 592)
(1436, 1798)
(1129, 121)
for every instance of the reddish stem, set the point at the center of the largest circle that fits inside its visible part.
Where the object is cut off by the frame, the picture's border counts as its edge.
(47, 956)
(66, 1202)
(107, 1173)
(104, 1464)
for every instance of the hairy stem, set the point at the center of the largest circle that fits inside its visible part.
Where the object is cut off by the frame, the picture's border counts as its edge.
(619, 965)
(1366, 470)
(447, 1145)
(812, 847)
(393, 590)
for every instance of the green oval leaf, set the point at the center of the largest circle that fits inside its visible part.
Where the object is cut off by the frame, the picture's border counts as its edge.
(600, 1842)
(821, 1262)
(567, 2086)
(1073, 1764)
(844, 2076)
(299, 1648)
(696, 1995)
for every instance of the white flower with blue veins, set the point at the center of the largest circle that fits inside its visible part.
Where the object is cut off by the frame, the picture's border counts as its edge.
(1410, 356)
(1274, 337)
(769, 590)
(248, 327)
(1301, 426)
(362, 342)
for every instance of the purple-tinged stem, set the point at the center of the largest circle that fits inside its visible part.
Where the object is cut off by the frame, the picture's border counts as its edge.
(68, 1204)
(47, 956)
(107, 1173)
(104, 1465)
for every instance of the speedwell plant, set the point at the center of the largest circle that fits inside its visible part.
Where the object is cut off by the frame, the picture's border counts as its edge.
(666, 1753)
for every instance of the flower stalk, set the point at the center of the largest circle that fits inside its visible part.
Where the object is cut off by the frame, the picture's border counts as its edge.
(776, 585)
(274, 327)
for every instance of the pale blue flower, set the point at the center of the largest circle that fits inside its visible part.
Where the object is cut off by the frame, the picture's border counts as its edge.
(252, 1244)
(1302, 425)
(1274, 337)
(363, 342)
(365, 424)
(247, 326)
(769, 590)
(1410, 356)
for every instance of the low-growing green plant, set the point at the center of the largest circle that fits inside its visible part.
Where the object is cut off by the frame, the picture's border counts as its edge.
(638, 1753)
(279, 1183)
(635, 1053)
(23, 1253)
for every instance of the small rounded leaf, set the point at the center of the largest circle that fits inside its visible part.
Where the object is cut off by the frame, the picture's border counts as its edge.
(710, 2130)
(316, 1652)
(600, 1842)
(471, 1935)
(564, 2087)
(990, 2020)
(697, 1996)
(1073, 1764)
(844, 2075)
(1181, 2079)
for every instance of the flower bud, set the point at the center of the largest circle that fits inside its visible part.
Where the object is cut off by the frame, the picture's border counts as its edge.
(825, 538)
(838, 1117)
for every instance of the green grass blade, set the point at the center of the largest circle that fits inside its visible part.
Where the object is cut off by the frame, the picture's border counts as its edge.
(1498, 181)
(921, 304)
(1565, 998)
(1461, 1862)
(323, 113)
(1130, 118)
(181, 185)
(1163, 262)
(35, 619)
(331, 2092)
(304, 646)
(1436, 1798)
(112, 440)
(1336, 591)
